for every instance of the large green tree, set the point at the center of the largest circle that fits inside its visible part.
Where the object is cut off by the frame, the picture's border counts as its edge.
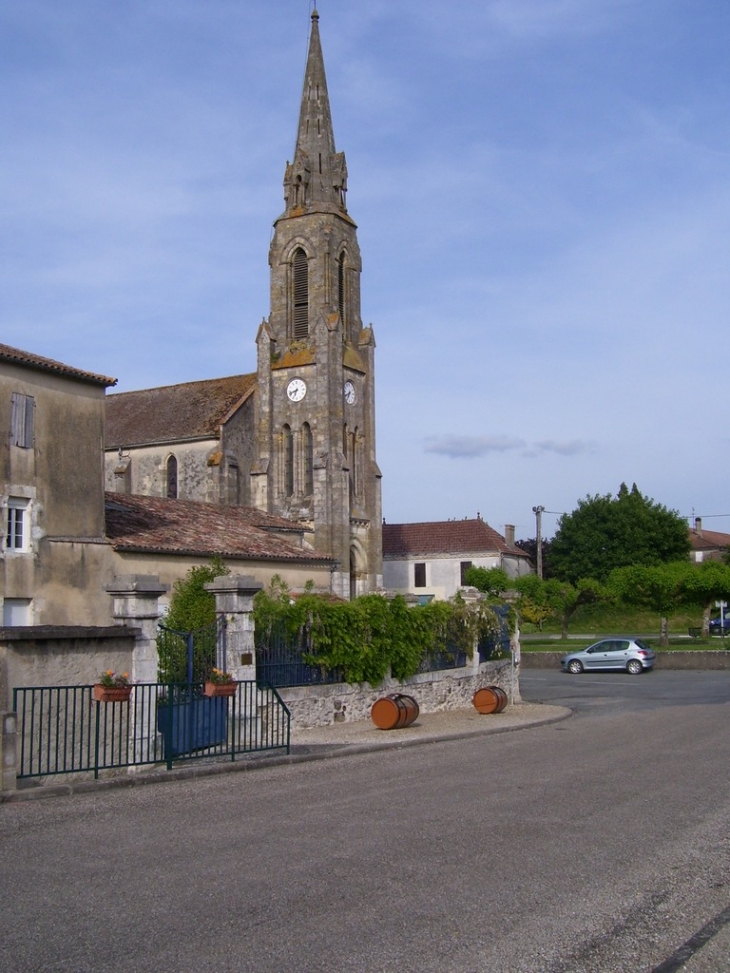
(705, 585)
(558, 599)
(606, 532)
(662, 588)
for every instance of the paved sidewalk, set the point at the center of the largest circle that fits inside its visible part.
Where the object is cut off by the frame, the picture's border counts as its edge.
(336, 740)
(429, 727)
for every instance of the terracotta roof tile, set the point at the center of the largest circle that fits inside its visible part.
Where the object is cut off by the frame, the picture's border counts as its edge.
(445, 537)
(164, 526)
(27, 358)
(193, 410)
(708, 540)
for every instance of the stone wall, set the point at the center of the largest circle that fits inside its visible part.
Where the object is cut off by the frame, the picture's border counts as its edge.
(60, 656)
(435, 692)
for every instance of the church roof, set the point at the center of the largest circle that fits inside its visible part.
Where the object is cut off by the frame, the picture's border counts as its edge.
(18, 357)
(158, 525)
(174, 413)
(456, 537)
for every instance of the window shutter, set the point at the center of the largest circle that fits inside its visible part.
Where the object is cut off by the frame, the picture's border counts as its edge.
(301, 295)
(21, 420)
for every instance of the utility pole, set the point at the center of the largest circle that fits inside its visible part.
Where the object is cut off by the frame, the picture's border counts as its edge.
(538, 537)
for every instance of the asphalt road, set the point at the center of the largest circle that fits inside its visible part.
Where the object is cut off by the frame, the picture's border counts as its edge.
(597, 845)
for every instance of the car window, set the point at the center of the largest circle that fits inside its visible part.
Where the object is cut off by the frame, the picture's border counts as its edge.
(620, 645)
(642, 644)
(599, 647)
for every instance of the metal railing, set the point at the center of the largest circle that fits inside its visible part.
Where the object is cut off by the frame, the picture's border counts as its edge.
(64, 730)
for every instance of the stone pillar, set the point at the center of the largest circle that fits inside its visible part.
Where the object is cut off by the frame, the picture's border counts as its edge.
(234, 595)
(136, 598)
(9, 752)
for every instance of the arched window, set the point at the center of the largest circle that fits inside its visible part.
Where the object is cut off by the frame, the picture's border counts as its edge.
(288, 461)
(171, 485)
(300, 270)
(308, 459)
(341, 303)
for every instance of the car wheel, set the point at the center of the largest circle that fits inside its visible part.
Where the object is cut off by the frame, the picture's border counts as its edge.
(575, 666)
(634, 667)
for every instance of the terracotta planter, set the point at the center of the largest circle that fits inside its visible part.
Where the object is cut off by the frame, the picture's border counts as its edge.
(112, 694)
(220, 688)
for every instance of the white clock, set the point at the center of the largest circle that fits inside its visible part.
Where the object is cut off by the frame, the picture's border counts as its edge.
(349, 392)
(296, 390)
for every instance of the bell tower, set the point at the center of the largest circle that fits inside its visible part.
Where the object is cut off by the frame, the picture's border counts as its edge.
(316, 392)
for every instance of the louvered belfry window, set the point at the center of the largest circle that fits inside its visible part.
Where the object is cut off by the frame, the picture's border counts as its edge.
(288, 460)
(308, 450)
(301, 295)
(341, 286)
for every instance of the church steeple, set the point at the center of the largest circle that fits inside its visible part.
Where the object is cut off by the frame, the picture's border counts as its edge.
(316, 181)
(316, 400)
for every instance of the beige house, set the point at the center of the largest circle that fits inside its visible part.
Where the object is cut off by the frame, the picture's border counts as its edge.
(429, 560)
(707, 545)
(53, 546)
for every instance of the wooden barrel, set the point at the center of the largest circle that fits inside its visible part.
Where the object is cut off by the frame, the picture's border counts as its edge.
(490, 699)
(394, 711)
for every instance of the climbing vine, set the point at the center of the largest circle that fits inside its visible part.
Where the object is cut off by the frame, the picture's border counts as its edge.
(371, 635)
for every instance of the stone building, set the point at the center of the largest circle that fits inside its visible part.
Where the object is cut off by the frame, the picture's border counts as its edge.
(53, 548)
(297, 438)
(429, 560)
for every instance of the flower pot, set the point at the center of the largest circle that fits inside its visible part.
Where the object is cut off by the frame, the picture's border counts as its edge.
(112, 694)
(220, 688)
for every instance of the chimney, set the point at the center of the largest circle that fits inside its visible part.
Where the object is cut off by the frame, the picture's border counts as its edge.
(698, 525)
(509, 534)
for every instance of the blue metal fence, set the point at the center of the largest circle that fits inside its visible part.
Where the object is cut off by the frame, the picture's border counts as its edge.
(63, 729)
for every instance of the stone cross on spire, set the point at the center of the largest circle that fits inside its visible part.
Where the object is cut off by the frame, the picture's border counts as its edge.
(316, 181)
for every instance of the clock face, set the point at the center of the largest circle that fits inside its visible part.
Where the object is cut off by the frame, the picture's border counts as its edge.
(349, 392)
(296, 390)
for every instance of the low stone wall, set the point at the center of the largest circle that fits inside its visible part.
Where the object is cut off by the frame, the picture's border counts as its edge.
(434, 692)
(706, 659)
(43, 655)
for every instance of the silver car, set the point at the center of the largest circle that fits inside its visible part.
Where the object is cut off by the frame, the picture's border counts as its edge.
(631, 655)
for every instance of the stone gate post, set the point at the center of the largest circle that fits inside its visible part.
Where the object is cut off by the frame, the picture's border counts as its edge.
(136, 598)
(234, 595)
(136, 605)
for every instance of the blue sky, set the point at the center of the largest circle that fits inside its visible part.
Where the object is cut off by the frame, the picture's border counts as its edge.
(542, 192)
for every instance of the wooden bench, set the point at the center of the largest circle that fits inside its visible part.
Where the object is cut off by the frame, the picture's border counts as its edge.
(695, 633)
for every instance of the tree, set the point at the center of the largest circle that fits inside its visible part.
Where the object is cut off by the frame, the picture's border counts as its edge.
(558, 599)
(529, 546)
(492, 581)
(605, 532)
(661, 588)
(704, 585)
(192, 608)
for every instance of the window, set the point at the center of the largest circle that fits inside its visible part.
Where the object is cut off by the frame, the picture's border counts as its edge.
(288, 457)
(171, 485)
(465, 565)
(300, 327)
(21, 420)
(341, 287)
(308, 456)
(419, 575)
(17, 534)
(16, 611)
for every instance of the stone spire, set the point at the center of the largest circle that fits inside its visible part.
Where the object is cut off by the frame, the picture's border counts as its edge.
(316, 181)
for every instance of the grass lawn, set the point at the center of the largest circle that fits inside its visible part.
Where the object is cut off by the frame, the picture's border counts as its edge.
(596, 624)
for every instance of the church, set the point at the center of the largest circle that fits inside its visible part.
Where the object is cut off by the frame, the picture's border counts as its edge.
(296, 439)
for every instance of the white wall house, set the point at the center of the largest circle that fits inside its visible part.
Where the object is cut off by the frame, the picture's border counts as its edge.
(429, 560)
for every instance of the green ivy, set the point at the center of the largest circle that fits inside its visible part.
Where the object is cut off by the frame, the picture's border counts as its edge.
(191, 608)
(371, 635)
